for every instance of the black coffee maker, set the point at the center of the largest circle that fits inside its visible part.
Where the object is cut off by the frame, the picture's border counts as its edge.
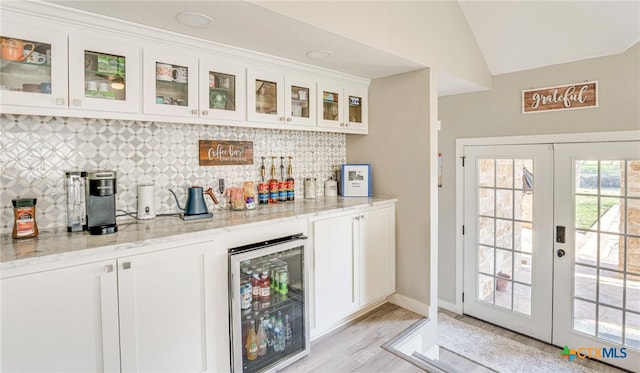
(101, 202)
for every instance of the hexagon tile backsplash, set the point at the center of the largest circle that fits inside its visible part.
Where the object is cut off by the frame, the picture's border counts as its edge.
(35, 152)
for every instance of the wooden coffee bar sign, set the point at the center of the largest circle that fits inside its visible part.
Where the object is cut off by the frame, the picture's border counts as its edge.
(222, 153)
(564, 97)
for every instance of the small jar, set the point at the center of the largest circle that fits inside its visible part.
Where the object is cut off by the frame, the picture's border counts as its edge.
(310, 187)
(24, 213)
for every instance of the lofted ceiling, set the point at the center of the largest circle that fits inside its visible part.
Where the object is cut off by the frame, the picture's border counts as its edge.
(511, 35)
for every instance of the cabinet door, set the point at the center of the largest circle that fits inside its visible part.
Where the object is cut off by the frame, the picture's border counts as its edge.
(33, 67)
(170, 84)
(265, 96)
(103, 74)
(222, 91)
(163, 318)
(335, 265)
(330, 106)
(377, 255)
(62, 320)
(356, 107)
(300, 100)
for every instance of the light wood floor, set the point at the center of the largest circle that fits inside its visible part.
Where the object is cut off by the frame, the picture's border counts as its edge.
(356, 347)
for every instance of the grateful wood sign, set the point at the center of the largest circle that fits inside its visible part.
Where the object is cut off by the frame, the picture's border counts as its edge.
(564, 97)
(221, 152)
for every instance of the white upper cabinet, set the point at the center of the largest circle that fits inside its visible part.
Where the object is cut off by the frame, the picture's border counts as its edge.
(222, 90)
(170, 83)
(103, 74)
(344, 107)
(33, 68)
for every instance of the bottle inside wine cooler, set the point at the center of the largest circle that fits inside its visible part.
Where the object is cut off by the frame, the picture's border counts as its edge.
(278, 331)
(262, 339)
(252, 342)
(288, 333)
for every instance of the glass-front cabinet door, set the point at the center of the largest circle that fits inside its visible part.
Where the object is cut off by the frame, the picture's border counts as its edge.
(265, 96)
(342, 107)
(222, 91)
(33, 67)
(300, 99)
(170, 84)
(103, 75)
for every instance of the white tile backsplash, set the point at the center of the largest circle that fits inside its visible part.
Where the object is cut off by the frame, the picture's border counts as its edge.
(35, 152)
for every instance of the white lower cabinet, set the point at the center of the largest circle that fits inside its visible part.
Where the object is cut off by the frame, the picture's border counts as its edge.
(353, 263)
(146, 312)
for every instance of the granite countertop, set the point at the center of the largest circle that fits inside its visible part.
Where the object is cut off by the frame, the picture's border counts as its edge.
(57, 244)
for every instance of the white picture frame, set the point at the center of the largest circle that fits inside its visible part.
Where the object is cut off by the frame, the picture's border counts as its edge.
(356, 180)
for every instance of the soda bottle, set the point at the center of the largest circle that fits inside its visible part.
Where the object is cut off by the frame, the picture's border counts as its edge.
(288, 333)
(278, 334)
(262, 339)
(252, 342)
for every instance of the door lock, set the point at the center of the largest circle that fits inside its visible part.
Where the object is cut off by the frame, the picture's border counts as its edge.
(560, 253)
(560, 233)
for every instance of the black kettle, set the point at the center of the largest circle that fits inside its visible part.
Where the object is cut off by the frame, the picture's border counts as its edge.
(195, 207)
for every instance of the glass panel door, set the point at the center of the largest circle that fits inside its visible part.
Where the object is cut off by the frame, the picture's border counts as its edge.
(105, 76)
(508, 237)
(269, 306)
(222, 91)
(355, 109)
(25, 66)
(598, 264)
(171, 84)
(331, 106)
(300, 107)
(266, 97)
(300, 97)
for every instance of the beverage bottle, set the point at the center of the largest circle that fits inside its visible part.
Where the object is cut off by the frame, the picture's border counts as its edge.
(278, 334)
(265, 286)
(252, 342)
(282, 185)
(288, 333)
(272, 322)
(255, 283)
(273, 183)
(262, 339)
(290, 183)
(284, 281)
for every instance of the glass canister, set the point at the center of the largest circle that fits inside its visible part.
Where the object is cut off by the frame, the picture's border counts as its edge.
(310, 187)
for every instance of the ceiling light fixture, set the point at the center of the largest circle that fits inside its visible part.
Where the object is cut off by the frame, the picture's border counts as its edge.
(318, 53)
(194, 19)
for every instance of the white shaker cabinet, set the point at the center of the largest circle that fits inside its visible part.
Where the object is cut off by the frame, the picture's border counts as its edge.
(139, 313)
(335, 258)
(354, 263)
(61, 320)
(163, 310)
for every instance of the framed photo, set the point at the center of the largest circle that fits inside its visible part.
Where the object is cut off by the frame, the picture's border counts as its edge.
(356, 180)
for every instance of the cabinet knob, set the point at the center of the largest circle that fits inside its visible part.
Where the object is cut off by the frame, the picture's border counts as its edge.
(289, 119)
(126, 265)
(60, 101)
(108, 268)
(194, 111)
(205, 112)
(362, 217)
(346, 124)
(357, 218)
(282, 119)
(76, 102)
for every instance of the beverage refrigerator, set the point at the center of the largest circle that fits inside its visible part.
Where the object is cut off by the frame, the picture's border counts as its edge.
(268, 307)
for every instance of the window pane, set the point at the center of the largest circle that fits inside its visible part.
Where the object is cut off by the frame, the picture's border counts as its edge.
(586, 247)
(504, 203)
(611, 288)
(504, 233)
(632, 330)
(584, 317)
(486, 202)
(485, 259)
(611, 215)
(503, 294)
(633, 178)
(610, 324)
(586, 212)
(522, 298)
(504, 173)
(485, 231)
(633, 293)
(522, 267)
(610, 251)
(522, 237)
(486, 173)
(587, 177)
(586, 281)
(485, 288)
(610, 172)
(504, 260)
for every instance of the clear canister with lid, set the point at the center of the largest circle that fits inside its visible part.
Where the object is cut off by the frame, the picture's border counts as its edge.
(310, 187)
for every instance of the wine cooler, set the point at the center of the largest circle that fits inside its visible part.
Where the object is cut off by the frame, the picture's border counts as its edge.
(268, 309)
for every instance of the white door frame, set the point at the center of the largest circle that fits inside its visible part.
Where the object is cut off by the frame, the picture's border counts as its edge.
(512, 140)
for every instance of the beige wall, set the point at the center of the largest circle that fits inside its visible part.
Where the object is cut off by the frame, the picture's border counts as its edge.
(498, 112)
(398, 148)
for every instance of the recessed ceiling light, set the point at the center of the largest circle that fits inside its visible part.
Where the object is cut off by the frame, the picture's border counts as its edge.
(194, 19)
(319, 53)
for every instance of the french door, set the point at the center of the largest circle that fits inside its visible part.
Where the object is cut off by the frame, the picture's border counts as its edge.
(552, 244)
(508, 239)
(597, 250)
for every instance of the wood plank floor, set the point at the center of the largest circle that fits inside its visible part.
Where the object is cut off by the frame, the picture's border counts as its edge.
(356, 347)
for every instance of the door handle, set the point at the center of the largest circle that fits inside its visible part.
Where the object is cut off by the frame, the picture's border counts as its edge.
(560, 253)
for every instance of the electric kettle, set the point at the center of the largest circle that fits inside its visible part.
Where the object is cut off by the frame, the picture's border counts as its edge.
(195, 207)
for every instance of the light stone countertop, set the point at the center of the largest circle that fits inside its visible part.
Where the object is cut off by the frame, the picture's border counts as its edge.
(57, 244)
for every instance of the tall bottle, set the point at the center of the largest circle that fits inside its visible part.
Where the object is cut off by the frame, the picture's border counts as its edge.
(278, 334)
(252, 342)
(290, 182)
(288, 333)
(273, 183)
(282, 185)
(262, 339)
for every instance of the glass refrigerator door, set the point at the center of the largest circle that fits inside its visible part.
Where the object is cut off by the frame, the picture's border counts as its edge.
(269, 313)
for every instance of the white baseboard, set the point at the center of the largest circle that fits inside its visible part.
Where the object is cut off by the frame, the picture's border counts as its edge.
(410, 304)
(447, 305)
